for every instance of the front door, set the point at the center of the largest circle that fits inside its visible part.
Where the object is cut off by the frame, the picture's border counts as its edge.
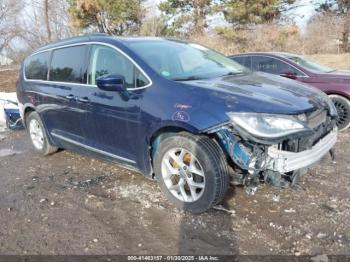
(110, 114)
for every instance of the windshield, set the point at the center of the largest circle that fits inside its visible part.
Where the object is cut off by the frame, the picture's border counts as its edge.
(311, 65)
(184, 61)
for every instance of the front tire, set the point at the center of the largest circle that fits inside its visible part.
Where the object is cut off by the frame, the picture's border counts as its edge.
(343, 108)
(38, 135)
(192, 171)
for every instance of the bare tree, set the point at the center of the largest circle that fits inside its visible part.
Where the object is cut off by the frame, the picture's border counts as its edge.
(346, 32)
(47, 20)
(342, 9)
(9, 28)
(323, 32)
(53, 14)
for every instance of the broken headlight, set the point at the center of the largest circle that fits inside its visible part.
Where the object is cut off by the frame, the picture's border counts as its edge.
(269, 125)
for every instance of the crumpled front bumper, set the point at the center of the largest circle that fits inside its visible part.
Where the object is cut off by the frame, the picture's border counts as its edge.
(284, 161)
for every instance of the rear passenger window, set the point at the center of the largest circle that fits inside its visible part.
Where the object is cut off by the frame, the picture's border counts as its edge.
(273, 66)
(36, 66)
(107, 61)
(67, 64)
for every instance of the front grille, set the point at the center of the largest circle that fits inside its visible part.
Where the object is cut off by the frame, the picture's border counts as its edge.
(321, 125)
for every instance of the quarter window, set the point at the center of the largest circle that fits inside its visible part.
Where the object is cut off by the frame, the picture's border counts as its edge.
(273, 66)
(67, 64)
(36, 66)
(107, 61)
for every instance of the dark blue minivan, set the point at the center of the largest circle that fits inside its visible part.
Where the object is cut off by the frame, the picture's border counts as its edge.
(174, 111)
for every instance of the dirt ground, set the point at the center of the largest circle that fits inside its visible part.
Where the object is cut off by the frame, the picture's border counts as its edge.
(8, 79)
(71, 204)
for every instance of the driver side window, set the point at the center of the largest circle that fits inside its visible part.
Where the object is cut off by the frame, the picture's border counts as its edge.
(107, 61)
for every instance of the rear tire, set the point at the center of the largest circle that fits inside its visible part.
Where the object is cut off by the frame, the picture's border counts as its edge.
(192, 171)
(38, 135)
(343, 108)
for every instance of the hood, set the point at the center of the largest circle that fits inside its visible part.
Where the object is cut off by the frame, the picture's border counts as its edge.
(260, 93)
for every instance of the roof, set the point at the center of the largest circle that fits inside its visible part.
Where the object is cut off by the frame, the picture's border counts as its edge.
(73, 40)
(281, 54)
(95, 37)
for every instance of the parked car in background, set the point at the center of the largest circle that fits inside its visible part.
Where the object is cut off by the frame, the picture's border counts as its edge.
(335, 83)
(175, 111)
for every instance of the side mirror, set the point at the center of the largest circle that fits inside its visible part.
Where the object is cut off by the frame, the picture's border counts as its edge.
(111, 83)
(289, 74)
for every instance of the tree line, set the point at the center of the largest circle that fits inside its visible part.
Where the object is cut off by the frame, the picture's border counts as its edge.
(32, 23)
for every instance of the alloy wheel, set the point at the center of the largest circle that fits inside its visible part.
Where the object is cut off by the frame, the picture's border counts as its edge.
(36, 134)
(183, 175)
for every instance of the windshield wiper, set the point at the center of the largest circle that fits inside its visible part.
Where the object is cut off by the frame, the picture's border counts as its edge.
(187, 78)
(233, 73)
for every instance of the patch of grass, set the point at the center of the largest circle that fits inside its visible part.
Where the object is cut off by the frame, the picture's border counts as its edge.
(8, 79)
(335, 61)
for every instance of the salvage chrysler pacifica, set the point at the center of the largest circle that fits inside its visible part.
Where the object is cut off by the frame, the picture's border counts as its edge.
(174, 111)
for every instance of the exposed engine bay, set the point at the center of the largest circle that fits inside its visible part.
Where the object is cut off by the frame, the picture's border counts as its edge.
(281, 162)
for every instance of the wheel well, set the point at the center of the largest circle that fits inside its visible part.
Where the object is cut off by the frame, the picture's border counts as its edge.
(161, 134)
(27, 111)
(337, 94)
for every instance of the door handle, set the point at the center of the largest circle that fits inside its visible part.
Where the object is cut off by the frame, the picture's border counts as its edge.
(70, 97)
(83, 99)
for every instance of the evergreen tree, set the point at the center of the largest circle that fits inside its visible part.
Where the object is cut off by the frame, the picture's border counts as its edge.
(242, 13)
(107, 16)
(190, 13)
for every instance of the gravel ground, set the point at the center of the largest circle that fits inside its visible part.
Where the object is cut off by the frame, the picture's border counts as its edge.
(71, 204)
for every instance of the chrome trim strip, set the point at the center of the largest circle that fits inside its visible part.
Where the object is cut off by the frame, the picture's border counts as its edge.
(92, 148)
(87, 43)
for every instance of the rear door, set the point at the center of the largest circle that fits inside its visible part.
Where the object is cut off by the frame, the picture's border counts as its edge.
(112, 119)
(64, 111)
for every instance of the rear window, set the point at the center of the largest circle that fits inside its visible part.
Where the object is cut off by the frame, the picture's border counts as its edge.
(67, 64)
(36, 66)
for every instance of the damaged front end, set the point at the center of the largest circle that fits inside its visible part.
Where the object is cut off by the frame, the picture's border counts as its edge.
(275, 148)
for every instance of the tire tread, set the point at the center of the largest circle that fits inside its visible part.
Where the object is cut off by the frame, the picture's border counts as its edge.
(219, 163)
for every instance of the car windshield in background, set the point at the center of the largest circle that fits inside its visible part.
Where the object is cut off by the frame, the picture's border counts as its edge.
(181, 61)
(311, 65)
